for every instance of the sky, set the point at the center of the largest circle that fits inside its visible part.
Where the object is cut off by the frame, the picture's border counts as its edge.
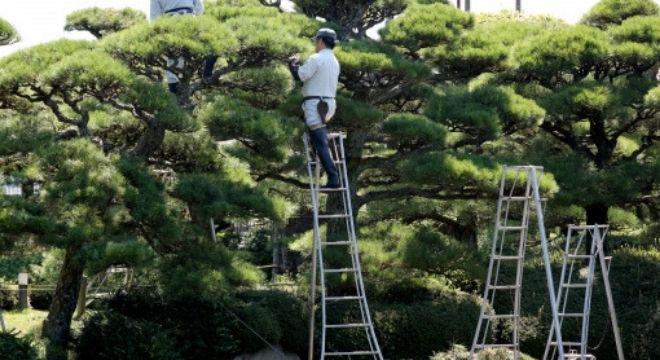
(40, 21)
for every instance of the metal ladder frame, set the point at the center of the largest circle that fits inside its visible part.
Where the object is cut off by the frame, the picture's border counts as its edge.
(571, 253)
(532, 192)
(336, 143)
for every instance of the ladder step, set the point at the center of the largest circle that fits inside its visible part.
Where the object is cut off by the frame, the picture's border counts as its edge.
(574, 286)
(566, 343)
(501, 316)
(503, 287)
(521, 227)
(573, 256)
(336, 162)
(344, 270)
(333, 216)
(330, 243)
(485, 346)
(571, 314)
(332, 189)
(347, 326)
(515, 198)
(343, 298)
(351, 353)
(507, 257)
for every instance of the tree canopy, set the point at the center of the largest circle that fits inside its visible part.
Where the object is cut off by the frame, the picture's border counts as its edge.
(8, 34)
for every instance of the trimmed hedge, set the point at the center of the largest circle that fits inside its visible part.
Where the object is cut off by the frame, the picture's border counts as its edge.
(192, 328)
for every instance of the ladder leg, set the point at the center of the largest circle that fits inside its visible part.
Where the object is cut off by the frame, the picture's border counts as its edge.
(559, 294)
(522, 244)
(314, 183)
(586, 309)
(608, 292)
(485, 298)
(546, 261)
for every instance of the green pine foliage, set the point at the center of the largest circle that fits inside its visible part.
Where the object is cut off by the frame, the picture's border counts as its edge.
(8, 34)
(100, 22)
(613, 12)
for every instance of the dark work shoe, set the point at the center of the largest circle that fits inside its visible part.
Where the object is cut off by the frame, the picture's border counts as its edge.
(330, 185)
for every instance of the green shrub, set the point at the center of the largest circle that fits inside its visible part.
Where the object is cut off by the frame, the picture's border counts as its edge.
(113, 336)
(40, 300)
(410, 331)
(197, 328)
(460, 352)
(8, 299)
(13, 347)
(290, 314)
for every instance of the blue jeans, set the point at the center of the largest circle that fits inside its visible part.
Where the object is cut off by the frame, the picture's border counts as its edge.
(319, 139)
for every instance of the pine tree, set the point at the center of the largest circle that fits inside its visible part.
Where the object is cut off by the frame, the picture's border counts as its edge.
(407, 138)
(599, 92)
(116, 130)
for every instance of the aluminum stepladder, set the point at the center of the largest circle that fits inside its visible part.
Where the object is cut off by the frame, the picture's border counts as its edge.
(519, 188)
(574, 254)
(336, 144)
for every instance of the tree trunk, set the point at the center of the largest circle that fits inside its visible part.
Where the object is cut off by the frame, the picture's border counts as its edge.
(57, 325)
(596, 214)
(150, 141)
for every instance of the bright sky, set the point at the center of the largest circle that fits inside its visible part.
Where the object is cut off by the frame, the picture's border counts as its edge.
(40, 21)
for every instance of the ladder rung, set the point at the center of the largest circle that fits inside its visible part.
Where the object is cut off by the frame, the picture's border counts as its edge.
(507, 257)
(332, 189)
(571, 314)
(343, 270)
(343, 298)
(485, 346)
(515, 198)
(503, 287)
(574, 286)
(351, 353)
(573, 256)
(336, 162)
(501, 316)
(521, 167)
(521, 227)
(333, 216)
(347, 326)
(566, 343)
(329, 243)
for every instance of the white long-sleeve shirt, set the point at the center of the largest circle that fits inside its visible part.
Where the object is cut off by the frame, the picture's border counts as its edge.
(161, 7)
(320, 74)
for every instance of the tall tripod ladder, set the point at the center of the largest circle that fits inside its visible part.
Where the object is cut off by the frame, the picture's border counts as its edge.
(350, 246)
(569, 281)
(519, 189)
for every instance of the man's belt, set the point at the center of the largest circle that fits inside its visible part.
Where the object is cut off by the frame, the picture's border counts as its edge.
(317, 98)
(188, 10)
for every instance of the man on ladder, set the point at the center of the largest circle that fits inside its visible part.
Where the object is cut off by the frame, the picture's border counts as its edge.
(320, 75)
(180, 8)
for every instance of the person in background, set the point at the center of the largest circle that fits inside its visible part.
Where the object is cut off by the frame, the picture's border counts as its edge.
(180, 8)
(320, 75)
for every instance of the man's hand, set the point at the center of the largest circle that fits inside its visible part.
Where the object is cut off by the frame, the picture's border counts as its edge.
(294, 60)
(294, 64)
